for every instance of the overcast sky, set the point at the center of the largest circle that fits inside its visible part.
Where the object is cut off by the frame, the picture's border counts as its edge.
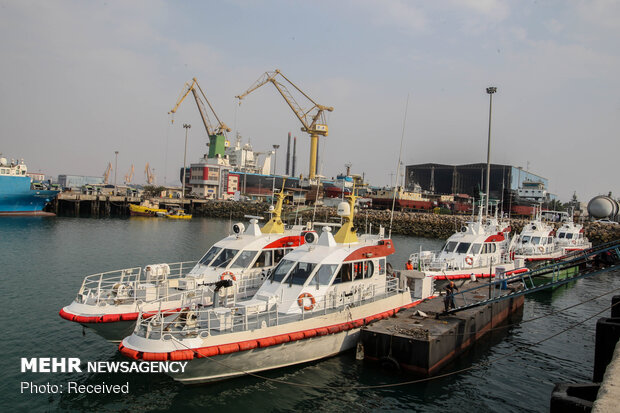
(82, 79)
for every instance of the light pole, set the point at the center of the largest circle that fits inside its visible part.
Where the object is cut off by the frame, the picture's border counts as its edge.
(115, 168)
(490, 91)
(187, 126)
(275, 158)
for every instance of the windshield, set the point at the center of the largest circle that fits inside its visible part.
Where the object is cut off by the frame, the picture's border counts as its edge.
(569, 236)
(281, 270)
(224, 258)
(210, 255)
(561, 235)
(244, 259)
(525, 239)
(450, 246)
(463, 248)
(300, 273)
(535, 240)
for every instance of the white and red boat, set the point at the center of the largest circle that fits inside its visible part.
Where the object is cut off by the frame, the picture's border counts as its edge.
(537, 241)
(479, 248)
(570, 237)
(311, 306)
(234, 268)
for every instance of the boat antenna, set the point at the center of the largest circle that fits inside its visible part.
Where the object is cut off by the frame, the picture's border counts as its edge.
(400, 153)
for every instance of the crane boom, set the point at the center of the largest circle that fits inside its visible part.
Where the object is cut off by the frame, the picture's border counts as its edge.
(221, 128)
(106, 173)
(313, 119)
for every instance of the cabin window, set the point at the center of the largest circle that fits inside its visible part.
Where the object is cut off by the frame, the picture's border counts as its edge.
(300, 273)
(550, 240)
(525, 239)
(493, 247)
(281, 270)
(344, 275)
(224, 258)
(264, 259)
(358, 270)
(244, 259)
(463, 248)
(580, 235)
(476, 249)
(369, 269)
(535, 240)
(210, 255)
(381, 266)
(324, 275)
(561, 235)
(544, 241)
(450, 246)
(569, 236)
(484, 248)
(278, 255)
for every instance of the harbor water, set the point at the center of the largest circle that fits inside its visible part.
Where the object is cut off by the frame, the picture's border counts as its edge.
(44, 259)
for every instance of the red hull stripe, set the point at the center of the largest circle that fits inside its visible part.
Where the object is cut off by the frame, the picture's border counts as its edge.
(108, 318)
(202, 352)
(480, 275)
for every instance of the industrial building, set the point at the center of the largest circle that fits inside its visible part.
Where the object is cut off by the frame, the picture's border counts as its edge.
(471, 179)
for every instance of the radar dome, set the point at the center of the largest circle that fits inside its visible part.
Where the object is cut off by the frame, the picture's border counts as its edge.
(3, 162)
(344, 210)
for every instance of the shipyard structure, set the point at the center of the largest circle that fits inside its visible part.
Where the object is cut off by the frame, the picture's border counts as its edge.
(517, 190)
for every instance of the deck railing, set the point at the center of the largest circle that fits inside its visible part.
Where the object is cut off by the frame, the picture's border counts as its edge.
(194, 320)
(131, 284)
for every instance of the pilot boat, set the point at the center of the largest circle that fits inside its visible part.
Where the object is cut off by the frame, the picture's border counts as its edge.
(312, 306)
(537, 241)
(232, 269)
(570, 237)
(479, 249)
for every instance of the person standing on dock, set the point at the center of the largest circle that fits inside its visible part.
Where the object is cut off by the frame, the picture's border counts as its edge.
(409, 265)
(448, 301)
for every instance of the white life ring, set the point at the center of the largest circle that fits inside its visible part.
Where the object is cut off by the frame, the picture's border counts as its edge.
(469, 260)
(541, 249)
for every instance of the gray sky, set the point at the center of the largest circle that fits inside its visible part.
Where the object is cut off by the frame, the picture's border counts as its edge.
(80, 80)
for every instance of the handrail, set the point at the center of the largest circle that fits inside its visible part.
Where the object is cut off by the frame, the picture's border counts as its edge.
(195, 319)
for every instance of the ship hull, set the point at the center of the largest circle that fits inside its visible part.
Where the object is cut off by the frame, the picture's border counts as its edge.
(16, 197)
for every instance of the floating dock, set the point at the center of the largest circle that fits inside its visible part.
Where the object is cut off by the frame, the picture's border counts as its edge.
(422, 341)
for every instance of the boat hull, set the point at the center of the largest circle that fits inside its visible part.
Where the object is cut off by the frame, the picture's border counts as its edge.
(17, 199)
(205, 366)
(142, 211)
(231, 365)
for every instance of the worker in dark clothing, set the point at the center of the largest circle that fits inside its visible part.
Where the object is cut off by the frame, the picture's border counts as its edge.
(409, 265)
(449, 299)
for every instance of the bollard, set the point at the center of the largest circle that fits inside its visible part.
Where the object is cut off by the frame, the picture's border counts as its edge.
(607, 335)
(615, 306)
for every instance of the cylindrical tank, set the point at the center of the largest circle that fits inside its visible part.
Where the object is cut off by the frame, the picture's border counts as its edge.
(603, 206)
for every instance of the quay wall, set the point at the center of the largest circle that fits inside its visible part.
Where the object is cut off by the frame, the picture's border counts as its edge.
(421, 224)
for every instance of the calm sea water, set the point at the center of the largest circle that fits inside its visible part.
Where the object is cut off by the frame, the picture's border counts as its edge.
(43, 261)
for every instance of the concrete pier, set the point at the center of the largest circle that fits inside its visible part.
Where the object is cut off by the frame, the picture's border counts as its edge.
(424, 345)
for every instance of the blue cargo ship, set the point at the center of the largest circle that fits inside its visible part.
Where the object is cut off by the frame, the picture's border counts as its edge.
(16, 196)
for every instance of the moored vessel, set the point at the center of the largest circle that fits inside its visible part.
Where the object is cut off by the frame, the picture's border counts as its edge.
(311, 306)
(537, 241)
(147, 208)
(232, 268)
(478, 249)
(16, 195)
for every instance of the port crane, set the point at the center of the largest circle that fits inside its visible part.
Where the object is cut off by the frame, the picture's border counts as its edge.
(150, 174)
(129, 175)
(106, 173)
(313, 119)
(221, 127)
